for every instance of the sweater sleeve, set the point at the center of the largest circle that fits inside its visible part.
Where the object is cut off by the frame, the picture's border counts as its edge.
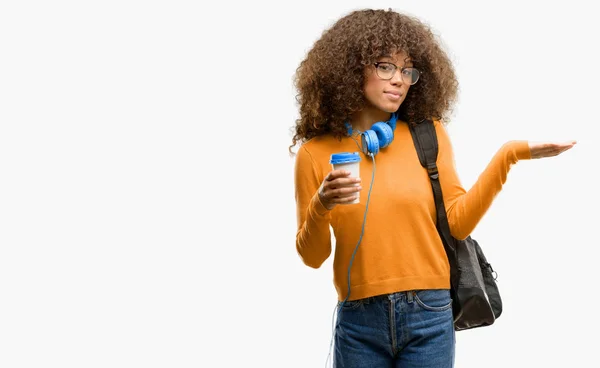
(313, 237)
(466, 208)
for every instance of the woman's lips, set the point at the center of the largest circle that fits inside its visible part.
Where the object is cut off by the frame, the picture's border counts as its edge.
(393, 95)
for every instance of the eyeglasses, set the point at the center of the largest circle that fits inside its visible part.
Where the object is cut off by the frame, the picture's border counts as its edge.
(387, 71)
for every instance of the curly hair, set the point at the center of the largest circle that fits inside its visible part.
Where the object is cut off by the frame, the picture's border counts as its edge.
(330, 79)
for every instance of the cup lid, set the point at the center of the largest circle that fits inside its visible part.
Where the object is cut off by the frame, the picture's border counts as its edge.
(344, 158)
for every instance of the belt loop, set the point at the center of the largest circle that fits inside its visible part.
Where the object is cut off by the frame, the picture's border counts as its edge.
(409, 296)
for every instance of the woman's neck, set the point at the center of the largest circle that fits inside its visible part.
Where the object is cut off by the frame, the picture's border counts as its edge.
(363, 120)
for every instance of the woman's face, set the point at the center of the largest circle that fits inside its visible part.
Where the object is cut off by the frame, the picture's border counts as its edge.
(387, 82)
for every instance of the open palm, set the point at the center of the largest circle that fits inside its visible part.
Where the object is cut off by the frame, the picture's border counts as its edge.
(547, 149)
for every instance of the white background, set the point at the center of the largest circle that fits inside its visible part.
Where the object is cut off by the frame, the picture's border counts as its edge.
(147, 211)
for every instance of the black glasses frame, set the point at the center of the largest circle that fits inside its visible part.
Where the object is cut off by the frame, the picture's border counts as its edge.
(396, 67)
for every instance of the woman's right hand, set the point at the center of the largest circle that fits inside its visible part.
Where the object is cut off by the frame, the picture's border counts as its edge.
(338, 188)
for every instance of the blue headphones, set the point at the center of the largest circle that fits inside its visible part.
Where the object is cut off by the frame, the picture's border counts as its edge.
(379, 136)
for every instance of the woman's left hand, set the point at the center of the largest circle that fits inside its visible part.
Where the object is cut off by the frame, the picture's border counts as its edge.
(546, 149)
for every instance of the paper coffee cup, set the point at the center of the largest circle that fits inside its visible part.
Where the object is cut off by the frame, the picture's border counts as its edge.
(349, 161)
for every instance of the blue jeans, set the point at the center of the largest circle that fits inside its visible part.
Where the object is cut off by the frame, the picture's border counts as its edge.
(412, 329)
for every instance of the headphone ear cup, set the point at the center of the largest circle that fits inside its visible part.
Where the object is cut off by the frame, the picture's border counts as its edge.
(384, 132)
(370, 142)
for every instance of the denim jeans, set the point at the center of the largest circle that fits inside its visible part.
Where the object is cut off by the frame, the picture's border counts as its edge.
(412, 329)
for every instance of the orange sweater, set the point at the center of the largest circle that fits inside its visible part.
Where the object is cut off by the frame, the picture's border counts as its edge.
(400, 249)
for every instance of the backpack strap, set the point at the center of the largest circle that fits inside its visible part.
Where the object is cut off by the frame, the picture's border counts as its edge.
(426, 145)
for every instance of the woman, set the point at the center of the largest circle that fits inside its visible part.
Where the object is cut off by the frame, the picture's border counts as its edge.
(390, 267)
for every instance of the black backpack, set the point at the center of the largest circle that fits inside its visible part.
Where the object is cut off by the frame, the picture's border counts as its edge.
(475, 295)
